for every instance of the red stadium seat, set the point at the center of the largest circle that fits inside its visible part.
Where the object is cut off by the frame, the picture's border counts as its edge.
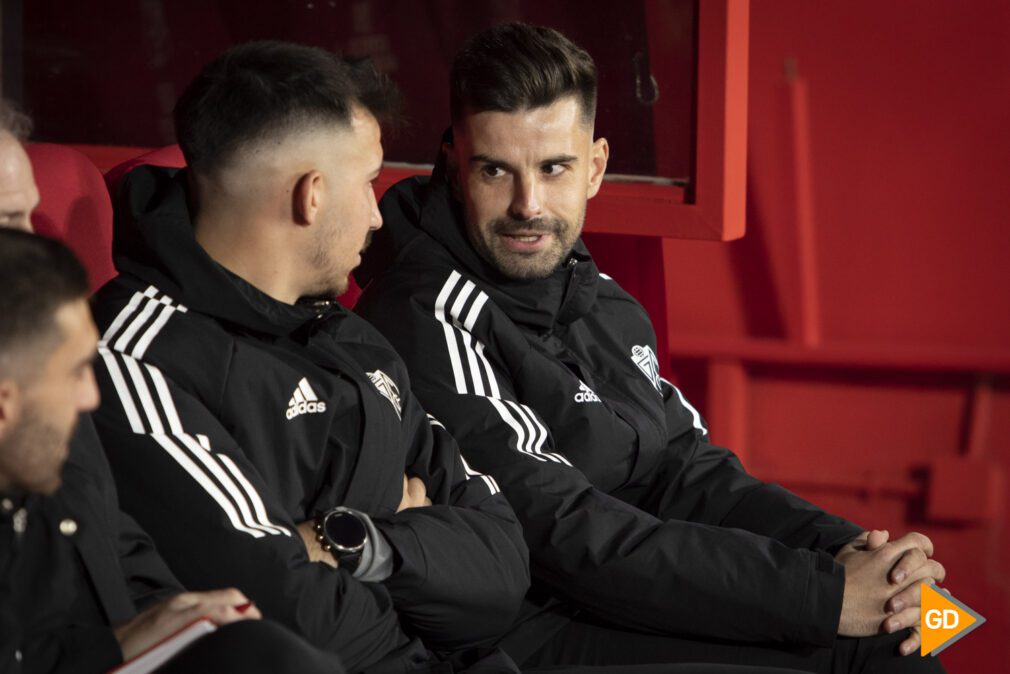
(170, 155)
(74, 207)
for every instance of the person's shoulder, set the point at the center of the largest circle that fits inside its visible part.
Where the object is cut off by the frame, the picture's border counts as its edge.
(363, 342)
(610, 294)
(144, 328)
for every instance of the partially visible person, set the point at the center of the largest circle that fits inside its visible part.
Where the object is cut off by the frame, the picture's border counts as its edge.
(647, 542)
(18, 193)
(262, 434)
(81, 585)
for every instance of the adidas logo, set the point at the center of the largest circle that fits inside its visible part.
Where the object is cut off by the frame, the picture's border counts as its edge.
(304, 401)
(586, 394)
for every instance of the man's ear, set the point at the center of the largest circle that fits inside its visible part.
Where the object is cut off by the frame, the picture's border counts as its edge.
(11, 402)
(307, 198)
(598, 156)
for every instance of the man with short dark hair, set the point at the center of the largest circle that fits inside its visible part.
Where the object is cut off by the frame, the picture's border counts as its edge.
(264, 435)
(647, 543)
(81, 587)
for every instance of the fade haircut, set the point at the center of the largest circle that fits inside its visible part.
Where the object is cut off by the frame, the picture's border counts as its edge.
(265, 90)
(516, 66)
(38, 275)
(14, 122)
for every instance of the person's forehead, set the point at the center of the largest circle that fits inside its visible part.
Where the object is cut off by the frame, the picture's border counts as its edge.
(16, 178)
(561, 121)
(77, 328)
(357, 146)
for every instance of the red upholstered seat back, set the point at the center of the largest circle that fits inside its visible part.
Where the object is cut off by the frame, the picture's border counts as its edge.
(74, 206)
(170, 155)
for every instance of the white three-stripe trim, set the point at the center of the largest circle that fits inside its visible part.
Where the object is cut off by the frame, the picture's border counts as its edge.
(473, 351)
(530, 433)
(239, 499)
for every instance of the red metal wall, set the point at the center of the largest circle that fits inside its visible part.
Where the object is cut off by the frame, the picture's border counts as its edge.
(855, 345)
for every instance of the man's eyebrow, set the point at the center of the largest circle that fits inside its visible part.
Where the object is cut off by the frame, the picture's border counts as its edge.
(560, 159)
(484, 159)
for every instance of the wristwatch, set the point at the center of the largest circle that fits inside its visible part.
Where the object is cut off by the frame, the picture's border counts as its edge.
(341, 532)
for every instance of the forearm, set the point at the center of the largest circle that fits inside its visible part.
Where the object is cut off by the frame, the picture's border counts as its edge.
(700, 482)
(685, 578)
(460, 574)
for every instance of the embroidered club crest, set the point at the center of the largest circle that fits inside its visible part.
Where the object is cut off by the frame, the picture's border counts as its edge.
(388, 388)
(645, 359)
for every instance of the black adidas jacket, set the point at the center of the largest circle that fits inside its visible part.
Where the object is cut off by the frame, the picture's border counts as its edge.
(552, 388)
(229, 417)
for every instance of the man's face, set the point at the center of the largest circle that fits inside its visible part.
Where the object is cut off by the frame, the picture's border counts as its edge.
(524, 178)
(18, 194)
(39, 414)
(351, 213)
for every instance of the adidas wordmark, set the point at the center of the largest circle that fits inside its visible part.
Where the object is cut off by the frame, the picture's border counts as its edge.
(304, 401)
(586, 394)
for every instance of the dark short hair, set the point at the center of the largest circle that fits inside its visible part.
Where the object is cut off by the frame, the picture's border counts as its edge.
(13, 121)
(38, 275)
(516, 66)
(267, 89)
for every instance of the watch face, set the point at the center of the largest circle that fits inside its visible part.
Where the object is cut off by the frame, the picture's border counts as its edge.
(345, 532)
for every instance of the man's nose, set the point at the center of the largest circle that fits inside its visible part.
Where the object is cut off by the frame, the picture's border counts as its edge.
(526, 198)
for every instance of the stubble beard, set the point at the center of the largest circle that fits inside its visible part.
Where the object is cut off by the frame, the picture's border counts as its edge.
(526, 266)
(331, 280)
(33, 444)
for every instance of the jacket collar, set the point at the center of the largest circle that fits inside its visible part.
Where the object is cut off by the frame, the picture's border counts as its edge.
(421, 205)
(154, 241)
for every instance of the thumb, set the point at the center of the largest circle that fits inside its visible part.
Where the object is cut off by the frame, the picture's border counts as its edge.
(876, 539)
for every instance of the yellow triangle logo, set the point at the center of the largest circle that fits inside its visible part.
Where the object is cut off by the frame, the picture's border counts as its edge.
(944, 620)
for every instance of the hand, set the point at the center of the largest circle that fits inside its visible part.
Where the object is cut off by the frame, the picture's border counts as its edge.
(164, 619)
(913, 568)
(871, 564)
(415, 495)
(307, 530)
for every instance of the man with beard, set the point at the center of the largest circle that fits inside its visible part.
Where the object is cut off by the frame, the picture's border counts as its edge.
(647, 543)
(81, 587)
(265, 436)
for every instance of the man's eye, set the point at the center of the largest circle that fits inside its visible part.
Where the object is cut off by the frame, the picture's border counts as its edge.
(553, 169)
(491, 171)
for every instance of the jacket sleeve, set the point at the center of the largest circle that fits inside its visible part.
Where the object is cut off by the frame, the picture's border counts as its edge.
(701, 482)
(218, 524)
(604, 555)
(145, 574)
(463, 566)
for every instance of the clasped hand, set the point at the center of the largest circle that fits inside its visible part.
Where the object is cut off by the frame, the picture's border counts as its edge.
(882, 584)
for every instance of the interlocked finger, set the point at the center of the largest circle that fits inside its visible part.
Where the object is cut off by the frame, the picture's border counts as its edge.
(909, 645)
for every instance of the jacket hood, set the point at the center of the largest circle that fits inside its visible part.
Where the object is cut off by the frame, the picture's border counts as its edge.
(153, 240)
(422, 208)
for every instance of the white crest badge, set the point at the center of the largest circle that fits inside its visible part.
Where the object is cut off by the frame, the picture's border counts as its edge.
(645, 359)
(388, 388)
